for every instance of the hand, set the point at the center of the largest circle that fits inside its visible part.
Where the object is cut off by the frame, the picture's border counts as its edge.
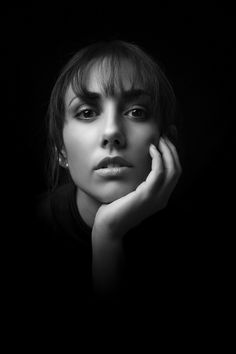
(152, 195)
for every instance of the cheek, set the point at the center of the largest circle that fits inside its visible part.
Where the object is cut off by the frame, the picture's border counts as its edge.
(77, 146)
(143, 137)
(140, 149)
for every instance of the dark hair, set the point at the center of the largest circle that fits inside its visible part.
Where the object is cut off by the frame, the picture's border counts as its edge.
(112, 53)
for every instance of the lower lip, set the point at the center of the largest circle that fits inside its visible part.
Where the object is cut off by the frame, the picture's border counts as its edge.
(112, 171)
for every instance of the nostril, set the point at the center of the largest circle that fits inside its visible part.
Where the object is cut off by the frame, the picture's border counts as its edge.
(115, 142)
(105, 142)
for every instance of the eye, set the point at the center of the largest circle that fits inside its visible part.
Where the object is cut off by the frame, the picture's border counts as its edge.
(86, 114)
(137, 113)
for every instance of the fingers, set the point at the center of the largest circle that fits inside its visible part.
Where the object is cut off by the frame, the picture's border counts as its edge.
(172, 167)
(156, 176)
(157, 165)
(164, 174)
(167, 157)
(174, 155)
(170, 158)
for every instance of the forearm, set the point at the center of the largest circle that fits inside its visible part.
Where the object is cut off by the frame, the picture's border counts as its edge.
(108, 264)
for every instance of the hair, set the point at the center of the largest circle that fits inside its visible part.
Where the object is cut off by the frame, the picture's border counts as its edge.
(109, 56)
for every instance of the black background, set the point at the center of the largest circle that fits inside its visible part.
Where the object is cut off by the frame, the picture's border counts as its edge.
(196, 48)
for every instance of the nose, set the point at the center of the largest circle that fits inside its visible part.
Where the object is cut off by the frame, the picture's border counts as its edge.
(113, 135)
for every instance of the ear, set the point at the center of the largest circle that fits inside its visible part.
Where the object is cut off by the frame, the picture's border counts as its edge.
(63, 159)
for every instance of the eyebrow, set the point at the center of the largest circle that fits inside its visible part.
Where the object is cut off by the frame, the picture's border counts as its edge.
(127, 95)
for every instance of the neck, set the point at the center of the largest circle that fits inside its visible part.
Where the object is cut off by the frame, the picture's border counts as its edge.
(87, 207)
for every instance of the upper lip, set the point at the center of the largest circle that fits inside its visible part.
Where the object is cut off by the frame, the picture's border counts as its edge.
(116, 160)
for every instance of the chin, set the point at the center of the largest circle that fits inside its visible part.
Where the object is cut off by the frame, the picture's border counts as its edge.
(110, 195)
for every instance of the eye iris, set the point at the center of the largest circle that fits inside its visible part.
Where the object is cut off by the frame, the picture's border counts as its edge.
(88, 113)
(138, 112)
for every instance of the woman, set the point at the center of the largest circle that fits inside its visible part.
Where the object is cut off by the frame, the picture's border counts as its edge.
(110, 115)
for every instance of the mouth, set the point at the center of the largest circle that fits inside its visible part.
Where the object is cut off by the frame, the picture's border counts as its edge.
(113, 167)
(113, 163)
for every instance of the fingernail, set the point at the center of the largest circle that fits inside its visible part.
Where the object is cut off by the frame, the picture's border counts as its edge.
(153, 147)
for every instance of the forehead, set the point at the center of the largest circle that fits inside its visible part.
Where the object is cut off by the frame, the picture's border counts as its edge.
(121, 76)
(108, 79)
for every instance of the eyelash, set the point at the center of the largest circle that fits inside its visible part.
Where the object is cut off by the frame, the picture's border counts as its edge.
(143, 110)
(78, 115)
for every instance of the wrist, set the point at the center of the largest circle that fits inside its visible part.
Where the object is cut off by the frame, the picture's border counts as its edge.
(106, 241)
(106, 234)
(108, 262)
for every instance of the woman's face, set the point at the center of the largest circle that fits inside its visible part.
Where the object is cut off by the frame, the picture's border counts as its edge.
(99, 126)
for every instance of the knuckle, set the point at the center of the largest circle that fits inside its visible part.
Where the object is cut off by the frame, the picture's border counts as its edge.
(143, 196)
(146, 197)
(161, 176)
(176, 173)
(173, 175)
(161, 172)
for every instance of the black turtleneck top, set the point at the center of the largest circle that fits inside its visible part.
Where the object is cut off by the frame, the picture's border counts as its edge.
(159, 254)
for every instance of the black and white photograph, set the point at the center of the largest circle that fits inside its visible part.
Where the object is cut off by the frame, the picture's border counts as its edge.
(118, 185)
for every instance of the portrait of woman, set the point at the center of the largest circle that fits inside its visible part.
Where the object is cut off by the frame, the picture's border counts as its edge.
(111, 113)
(119, 159)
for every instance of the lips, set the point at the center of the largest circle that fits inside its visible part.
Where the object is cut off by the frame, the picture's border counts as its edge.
(112, 162)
